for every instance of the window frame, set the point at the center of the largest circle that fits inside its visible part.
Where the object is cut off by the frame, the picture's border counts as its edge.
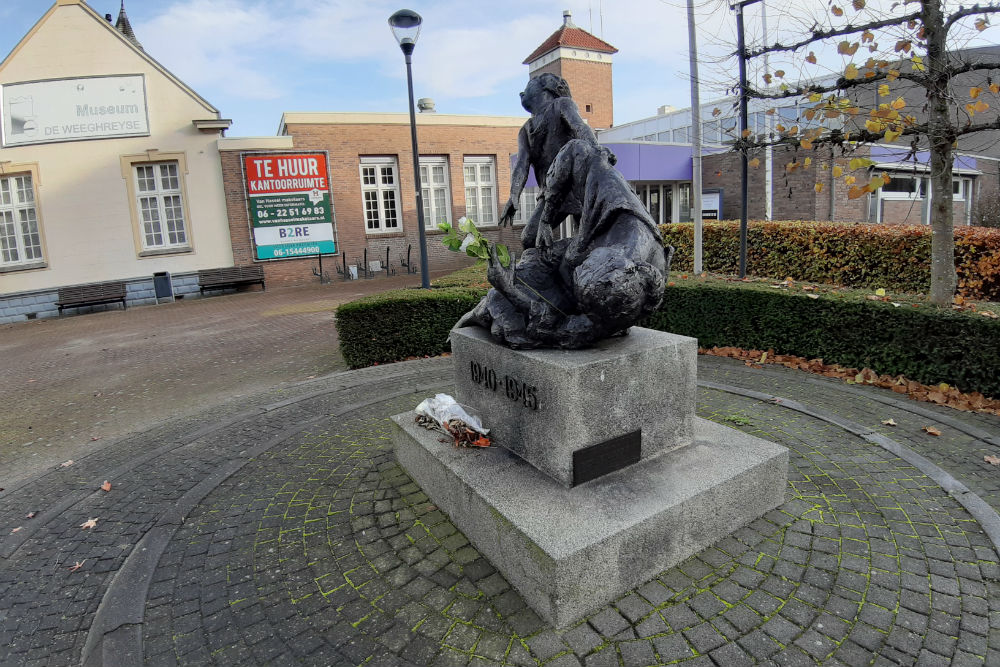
(130, 165)
(380, 189)
(478, 186)
(10, 172)
(431, 215)
(528, 199)
(916, 192)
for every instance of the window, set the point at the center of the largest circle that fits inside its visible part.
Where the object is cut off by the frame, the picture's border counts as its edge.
(710, 132)
(160, 205)
(480, 190)
(20, 241)
(529, 200)
(902, 186)
(961, 188)
(158, 201)
(680, 135)
(434, 191)
(380, 194)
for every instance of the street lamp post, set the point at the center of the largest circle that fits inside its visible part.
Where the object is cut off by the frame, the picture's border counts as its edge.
(405, 25)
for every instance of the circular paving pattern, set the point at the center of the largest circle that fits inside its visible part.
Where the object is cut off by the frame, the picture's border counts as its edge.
(289, 535)
(325, 552)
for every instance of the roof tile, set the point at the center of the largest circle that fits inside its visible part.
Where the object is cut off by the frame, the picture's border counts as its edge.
(573, 37)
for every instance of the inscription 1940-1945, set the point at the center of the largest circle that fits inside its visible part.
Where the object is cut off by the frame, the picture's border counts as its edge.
(514, 389)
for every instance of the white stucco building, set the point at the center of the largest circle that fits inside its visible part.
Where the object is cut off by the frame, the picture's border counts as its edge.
(109, 166)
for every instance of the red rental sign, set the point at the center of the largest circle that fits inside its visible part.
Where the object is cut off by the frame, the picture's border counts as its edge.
(278, 174)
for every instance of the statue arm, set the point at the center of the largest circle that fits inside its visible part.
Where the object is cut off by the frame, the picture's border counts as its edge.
(518, 177)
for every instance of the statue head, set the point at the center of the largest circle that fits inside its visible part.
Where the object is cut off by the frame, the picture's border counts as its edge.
(612, 287)
(541, 89)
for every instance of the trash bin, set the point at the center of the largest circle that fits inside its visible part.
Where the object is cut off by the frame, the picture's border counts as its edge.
(163, 287)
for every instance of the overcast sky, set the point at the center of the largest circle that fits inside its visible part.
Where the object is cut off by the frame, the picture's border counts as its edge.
(254, 59)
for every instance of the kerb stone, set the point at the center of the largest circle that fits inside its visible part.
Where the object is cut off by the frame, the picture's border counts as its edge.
(569, 551)
(543, 405)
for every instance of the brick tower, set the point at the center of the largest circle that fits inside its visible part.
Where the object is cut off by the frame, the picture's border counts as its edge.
(585, 62)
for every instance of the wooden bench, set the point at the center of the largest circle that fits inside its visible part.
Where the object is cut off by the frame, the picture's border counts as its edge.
(92, 294)
(232, 276)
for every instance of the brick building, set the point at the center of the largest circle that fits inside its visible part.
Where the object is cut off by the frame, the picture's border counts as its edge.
(109, 167)
(465, 164)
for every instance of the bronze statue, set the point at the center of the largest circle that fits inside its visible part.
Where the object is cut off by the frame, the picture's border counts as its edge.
(573, 292)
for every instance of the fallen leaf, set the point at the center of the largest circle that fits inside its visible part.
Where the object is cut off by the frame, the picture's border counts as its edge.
(880, 291)
(813, 296)
(31, 515)
(77, 565)
(992, 460)
(15, 530)
(95, 438)
(89, 523)
(106, 486)
(932, 431)
(889, 422)
(66, 464)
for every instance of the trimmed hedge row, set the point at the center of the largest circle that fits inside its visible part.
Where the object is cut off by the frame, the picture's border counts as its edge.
(396, 325)
(929, 345)
(896, 257)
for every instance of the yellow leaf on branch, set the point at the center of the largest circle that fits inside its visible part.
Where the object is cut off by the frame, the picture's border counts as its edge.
(855, 192)
(995, 88)
(837, 11)
(818, 187)
(898, 103)
(918, 63)
(851, 72)
(892, 75)
(981, 106)
(974, 92)
(846, 48)
(754, 163)
(837, 171)
(883, 90)
(811, 58)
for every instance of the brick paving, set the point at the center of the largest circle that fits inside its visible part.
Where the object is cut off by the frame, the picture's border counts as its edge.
(279, 529)
(71, 385)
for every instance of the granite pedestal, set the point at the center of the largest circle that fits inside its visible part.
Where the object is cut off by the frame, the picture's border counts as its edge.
(604, 478)
(547, 405)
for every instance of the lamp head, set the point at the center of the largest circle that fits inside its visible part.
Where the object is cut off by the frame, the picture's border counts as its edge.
(405, 25)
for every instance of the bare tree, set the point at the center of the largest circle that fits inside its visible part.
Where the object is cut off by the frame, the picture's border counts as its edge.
(934, 93)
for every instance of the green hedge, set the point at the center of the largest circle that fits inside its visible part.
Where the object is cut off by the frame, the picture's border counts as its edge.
(896, 257)
(926, 344)
(395, 325)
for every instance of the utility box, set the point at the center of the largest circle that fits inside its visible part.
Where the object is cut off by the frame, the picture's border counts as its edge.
(163, 287)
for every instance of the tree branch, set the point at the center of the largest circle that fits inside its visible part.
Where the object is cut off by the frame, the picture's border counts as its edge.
(820, 35)
(841, 84)
(962, 68)
(994, 124)
(962, 12)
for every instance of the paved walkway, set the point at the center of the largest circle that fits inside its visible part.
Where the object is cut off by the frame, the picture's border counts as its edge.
(72, 385)
(278, 529)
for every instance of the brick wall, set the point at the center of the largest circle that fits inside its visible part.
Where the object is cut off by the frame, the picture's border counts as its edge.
(590, 84)
(346, 144)
(794, 192)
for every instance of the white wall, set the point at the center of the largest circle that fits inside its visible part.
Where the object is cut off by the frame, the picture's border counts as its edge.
(83, 203)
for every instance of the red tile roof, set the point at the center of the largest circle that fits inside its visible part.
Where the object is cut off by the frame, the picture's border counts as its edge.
(570, 35)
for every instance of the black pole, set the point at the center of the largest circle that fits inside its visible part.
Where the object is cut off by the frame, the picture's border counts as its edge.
(320, 255)
(424, 277)
(744, 166)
